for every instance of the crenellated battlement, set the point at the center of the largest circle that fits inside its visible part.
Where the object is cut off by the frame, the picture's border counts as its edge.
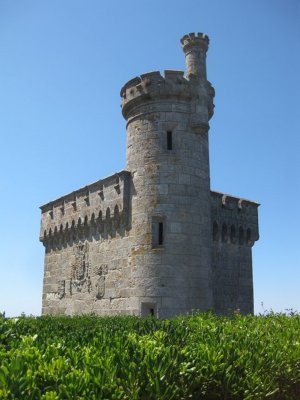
(154, 86)
(234, 220)
(192, 39)
(153, 239)
(100, 206)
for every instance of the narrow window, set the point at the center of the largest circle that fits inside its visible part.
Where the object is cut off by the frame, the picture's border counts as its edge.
(169, 140)
(232, 234)
(160, 233)
(248, 236)
(148, 309)
(224, 233)
(241, 236)
(215, 231)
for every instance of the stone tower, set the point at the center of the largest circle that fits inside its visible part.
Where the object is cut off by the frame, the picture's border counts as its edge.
(154, 239)
(167, 154)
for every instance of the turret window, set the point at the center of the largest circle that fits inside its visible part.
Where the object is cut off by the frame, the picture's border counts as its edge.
(169, 140)
(158, 231)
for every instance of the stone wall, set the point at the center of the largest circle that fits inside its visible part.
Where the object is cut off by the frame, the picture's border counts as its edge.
(86, 239)
(167, 152)
(153, 239)
(234, 231)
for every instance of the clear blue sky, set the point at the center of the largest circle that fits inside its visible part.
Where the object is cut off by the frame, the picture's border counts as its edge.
(62, 64)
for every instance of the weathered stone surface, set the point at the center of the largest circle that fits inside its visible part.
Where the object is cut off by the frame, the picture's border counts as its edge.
(154, 239)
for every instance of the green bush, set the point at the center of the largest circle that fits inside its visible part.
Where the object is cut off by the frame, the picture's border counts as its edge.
(195, 357)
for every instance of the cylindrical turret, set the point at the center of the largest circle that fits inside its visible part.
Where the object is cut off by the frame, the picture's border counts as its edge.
(195, 47)
(167, 154)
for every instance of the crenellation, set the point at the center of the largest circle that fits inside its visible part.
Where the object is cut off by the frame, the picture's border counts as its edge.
(153, 239)
(234, 232)
(154, 86)
(89, 207)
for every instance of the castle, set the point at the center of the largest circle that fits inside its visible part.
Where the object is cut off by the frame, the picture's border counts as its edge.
(153, 239)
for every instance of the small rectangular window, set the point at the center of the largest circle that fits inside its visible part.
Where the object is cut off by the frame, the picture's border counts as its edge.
(148, 309)
(158, 230)
(160, 233)
(169, 140)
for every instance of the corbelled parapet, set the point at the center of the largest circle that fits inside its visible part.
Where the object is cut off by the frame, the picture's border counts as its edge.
(90, 210)
(235, 220)
(153, 87)
(195, 39)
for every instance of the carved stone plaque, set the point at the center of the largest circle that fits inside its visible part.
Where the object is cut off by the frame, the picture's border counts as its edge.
(61, 288)
(101, 271)
(80, 278)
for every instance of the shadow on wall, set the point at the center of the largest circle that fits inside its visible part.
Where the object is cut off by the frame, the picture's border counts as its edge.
(98, 228)
(229, 235)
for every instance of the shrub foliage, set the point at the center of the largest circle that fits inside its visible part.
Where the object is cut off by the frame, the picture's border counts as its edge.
(196, 357)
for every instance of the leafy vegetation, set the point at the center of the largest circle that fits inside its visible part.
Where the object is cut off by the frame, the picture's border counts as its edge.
(195, 357)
